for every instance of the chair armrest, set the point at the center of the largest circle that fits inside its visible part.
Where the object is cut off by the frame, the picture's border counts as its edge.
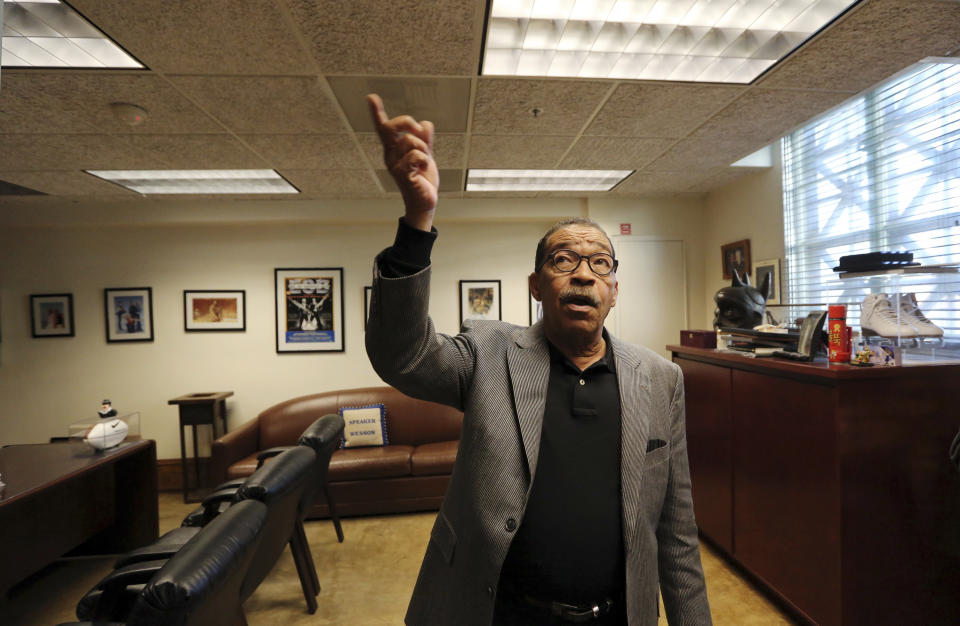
(232, 447)
(213, 505)
(112, 597)
(269, 453)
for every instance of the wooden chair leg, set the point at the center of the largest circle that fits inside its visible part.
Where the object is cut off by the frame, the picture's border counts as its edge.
(308, 557)
(306, 584)
(333, 513)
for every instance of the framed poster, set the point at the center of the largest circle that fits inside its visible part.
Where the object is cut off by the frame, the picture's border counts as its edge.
(51, 315)
(128, 314)
(736, 256)
(214, 310)
(536, 310)
(309, 309)
(479, 300)
(367, 293)
(772, 268)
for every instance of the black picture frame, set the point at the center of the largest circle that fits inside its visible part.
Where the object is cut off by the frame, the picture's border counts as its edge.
(128, 314)
(51, 315)
(480, 299)
(214, 310)
(306, 321)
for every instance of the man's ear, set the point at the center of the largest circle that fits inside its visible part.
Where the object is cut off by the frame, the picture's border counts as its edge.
(616, 290)
(534, 288)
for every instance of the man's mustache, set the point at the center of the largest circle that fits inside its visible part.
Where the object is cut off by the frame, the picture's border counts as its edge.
(574, 295)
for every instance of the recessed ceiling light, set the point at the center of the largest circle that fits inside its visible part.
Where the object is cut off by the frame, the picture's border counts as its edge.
(544, 180)
(48, 33)
(197, 181)
(727, 41)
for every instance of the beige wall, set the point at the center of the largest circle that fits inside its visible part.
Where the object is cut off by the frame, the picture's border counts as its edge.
(45, 384)
(749, 208)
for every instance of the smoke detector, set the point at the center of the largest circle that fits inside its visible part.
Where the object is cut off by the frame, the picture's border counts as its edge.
(129, 114)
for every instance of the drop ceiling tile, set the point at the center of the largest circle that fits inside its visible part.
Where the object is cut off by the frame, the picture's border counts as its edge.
(71, 152)
(197, 151)
(764, 115)
(689, 155)
(504, 106)
(69, 183)
(874, 41)
(447, 149)
(213, 36)
(263, 104)
(309, 152)
(660, 110)
(516, 151)
(725, 177)
(414, 38)
(601, 153)
(333, 183)
(450, 181)
(641, 183)
(443, 101)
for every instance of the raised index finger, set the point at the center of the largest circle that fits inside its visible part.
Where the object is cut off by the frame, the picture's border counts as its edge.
(377, 113)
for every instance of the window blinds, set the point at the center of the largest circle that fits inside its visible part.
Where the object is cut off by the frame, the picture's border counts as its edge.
(879, 173)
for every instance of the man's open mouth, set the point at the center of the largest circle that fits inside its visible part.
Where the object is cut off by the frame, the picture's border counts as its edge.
(579, 299)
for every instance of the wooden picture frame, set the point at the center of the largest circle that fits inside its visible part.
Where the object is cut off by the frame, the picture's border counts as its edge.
(51, 315)
(309, 309)
(128, 314)
(215, 310)
(771, 268)
(480, 300)
(736, 255)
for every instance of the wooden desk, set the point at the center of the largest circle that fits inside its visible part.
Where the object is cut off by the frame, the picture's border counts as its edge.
(198, 409)
(65, 498)
(830, 484)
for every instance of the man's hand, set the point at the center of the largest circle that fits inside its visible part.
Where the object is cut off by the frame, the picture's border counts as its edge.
(408, 155)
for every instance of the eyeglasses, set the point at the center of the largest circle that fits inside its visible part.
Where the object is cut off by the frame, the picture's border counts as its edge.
(568, 261)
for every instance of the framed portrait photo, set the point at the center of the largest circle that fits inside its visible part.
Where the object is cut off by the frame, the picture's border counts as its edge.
(771, 268)
(479, 300)
(128, 314)
(367, 293)
(309, 303)
(51, 315)
(736, 256)
(215, 310)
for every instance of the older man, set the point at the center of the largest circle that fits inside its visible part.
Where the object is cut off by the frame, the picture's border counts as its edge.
(570, 498)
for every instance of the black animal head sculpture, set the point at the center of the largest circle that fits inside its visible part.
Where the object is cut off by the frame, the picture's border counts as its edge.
(741, 305)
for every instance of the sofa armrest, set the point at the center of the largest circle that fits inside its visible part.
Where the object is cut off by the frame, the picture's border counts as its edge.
(232, 447)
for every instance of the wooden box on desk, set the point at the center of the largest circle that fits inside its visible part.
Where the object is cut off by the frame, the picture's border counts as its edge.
(698, 338)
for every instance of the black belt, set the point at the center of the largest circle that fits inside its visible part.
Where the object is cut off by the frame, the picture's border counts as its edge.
(574, 613)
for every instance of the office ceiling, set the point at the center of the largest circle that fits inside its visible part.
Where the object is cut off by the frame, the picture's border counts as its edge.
(237, 84)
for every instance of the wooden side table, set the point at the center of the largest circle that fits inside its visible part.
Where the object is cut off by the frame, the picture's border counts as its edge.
(197, 409)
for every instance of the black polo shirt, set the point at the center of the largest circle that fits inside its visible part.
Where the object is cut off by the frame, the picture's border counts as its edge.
(569, 546)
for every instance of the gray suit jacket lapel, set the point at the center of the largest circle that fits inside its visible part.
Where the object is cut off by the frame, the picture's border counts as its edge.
(528, 360)
(634, 429)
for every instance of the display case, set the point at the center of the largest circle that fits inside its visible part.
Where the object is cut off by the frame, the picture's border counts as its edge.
(101, 433)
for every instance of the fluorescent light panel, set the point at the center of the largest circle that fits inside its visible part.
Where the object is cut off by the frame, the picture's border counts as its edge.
(544, 180)
(726, 41)
(48, 33)
(197, 181)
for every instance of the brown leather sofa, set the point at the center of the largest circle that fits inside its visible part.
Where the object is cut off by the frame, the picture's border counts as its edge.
(411, 473)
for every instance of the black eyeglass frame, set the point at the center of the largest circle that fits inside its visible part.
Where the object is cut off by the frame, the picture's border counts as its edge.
(580, 257)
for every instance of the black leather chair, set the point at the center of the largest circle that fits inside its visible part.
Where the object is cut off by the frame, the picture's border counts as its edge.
(200, 584)
(279, 485)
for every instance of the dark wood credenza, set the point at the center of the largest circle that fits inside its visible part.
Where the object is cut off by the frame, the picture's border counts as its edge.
(831, 485)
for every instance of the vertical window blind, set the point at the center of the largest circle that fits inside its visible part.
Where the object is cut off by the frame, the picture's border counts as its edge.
(879, 173)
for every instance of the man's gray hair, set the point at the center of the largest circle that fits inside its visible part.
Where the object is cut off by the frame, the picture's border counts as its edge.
(541, 256)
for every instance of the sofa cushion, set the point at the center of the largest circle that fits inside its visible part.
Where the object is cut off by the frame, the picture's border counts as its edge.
(362, 463)
(244, 467)
(432, 459)
(364, 426)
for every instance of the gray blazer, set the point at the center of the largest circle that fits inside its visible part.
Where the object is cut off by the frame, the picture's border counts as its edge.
(497, 373)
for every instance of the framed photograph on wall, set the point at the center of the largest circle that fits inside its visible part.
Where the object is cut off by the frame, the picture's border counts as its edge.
(479, 300)
(51, 315)
(309, 303)
(215, 310)
(367, 293)
(736, 256)
(128, 314)
(536, 310)
(770, 268)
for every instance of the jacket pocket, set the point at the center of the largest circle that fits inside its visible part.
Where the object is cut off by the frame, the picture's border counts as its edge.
(656, 457)
(444, 537)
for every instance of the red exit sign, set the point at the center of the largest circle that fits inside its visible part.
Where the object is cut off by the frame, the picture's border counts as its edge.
(624, 229)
